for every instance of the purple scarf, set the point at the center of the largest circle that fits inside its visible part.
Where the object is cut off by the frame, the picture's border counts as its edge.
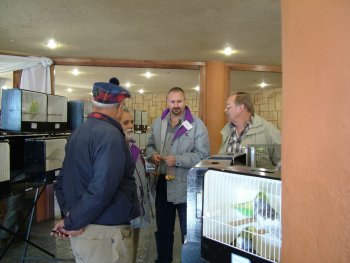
(135, 152)
(182, 130)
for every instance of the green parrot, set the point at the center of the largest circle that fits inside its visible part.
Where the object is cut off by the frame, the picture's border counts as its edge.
(263, 208)
(245, 239)
(258, 206)
(34, 107)
(246, 208)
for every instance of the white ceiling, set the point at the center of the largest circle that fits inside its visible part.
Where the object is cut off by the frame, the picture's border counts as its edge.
(180, 30)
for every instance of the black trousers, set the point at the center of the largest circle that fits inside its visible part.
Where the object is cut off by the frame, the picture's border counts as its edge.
(165, 219)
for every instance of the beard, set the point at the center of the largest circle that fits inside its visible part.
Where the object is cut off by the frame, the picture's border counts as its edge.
(129, 135)
(176, 111)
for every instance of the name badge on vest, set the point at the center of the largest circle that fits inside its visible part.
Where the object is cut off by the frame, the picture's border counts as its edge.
(188, 126)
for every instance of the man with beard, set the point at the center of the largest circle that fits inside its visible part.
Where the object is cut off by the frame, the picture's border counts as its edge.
(143, 192)
(178, 141)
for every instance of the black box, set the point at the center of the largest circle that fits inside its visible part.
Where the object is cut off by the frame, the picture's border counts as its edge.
(43, 157)
(77, 113)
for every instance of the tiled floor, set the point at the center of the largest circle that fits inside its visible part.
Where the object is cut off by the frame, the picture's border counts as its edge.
(40, 235)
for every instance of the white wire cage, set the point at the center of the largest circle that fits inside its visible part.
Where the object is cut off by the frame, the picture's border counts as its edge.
(243, 212)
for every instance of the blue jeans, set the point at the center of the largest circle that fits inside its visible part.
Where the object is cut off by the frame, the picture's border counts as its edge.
(165, 219)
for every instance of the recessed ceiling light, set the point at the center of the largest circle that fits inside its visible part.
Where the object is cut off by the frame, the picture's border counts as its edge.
(197, 88)
(228, 51)
(75, 72)
(127, 84)
(52, 44)
(69, 90)
(141, 91)
(148, 74)
(263, 84)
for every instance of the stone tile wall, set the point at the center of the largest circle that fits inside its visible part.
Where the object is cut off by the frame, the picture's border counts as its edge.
(155, 104)
(268, 104)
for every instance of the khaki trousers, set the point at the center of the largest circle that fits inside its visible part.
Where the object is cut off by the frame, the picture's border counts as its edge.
(103, 244)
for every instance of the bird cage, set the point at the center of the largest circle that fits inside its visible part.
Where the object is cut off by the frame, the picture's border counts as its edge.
(241, 216)
(43, 157)
(4, 167)
(4, 161)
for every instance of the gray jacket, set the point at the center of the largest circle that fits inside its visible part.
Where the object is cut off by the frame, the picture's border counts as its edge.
(261, 132)
(190, 147)
(143, 189)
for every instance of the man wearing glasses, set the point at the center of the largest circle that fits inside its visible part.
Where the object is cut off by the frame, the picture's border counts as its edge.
(245, 127)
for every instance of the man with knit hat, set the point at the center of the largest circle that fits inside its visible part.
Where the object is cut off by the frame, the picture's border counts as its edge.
(96, 189)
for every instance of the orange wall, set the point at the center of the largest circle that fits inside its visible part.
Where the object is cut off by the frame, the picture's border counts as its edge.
(316, 131)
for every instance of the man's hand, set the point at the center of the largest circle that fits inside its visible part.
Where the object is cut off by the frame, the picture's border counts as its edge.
(170, 160)
(156, 158)
(59, 231)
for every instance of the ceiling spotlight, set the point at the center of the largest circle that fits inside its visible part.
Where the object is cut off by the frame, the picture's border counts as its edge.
(69, 90)
(52, 44)
(228, 51)
(141, 91)
(127, 84)
(197, 88)
(148, 74)
(75, 72)
(263, 84)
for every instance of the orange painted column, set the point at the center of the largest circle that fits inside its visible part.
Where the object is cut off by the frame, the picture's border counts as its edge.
(214, 96)
(316, 131)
